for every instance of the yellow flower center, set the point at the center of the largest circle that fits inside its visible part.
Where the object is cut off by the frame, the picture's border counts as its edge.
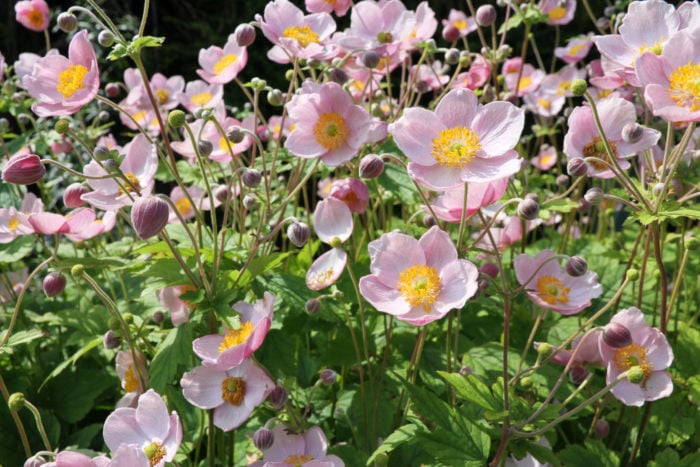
(236, 337)
(551, 290)
(633, 355)
(319, 279)
(162, 96)
(132, 185)
(525, 82)
(35, 18)
(684, 86)
(183, 206)
(455, 147)
(563, 88)
(596, 148)
(298, 459)
(656, 48)
(330, 130)
(71, 80)
(304, 35)
(131, 382)
(224, 62)
(419, 285)
(556, 13)
(233, 390)
(574, 49)
(201, 99)
(13, 223)
(224, 143)
(544, 103)
(460, 24)
(155, 453)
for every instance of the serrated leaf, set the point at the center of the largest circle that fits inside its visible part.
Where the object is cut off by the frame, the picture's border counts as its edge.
(173, 351)
(17, 249)
(71, 361)
(398, 437)
(470, 388)
(594, 453)
(396, 181)
(22, 337)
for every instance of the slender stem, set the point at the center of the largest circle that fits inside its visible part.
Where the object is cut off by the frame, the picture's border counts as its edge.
(16, 419)
(39, 425)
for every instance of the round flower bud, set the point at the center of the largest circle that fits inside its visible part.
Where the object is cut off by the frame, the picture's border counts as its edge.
(53, 284)
(275, 98)
(16, 401)
(298, 233)
(544, 349)
(692, 243)
(313, 305)
(466, 370)
(633, 275)
(489, 269)
(576, 167)
(114, 324)
(244, 34)
(533, 196)
(251, 177)
(205, 147)
(371, 166)
(105, 38)
(452, 56)
(67, 22)
(149, 216)
(576, 266)
(338, 75)
(528, 209)
(657, 189)
(601, 429)
(583, 205)
(176, 118)
(222, 193)
(525, 382)
(235, 134)
(112, 90)
(579, 87)
(617, 335)
(72, 194)
(370, 59)
(578, 375)
(158, 317)
(128, 318)
(103, 116)
(328, 377)
(485, 15)
(101, 153)
(23, 118)
(23, 169)
(450, 33)
(35, 461)
(278, 397)
(429, 221)
(249, 202)
(111, 340)
(635, 375)
(263, 439)
(110, 165)
(77, 270)
(632, 132)
(562, 180)
(594, 196)
(4, 125)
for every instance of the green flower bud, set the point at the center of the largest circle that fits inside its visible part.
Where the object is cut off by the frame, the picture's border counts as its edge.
(579, 87)
(633, 275)
(77, 270)
(635, 375)
(62, 126)
(545, 349)
(692, 244)
(114, 323)
(16, 401)
(176, 118)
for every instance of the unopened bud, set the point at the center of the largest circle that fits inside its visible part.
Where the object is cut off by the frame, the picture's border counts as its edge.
(466, 370)
(105, 38)
(583, 205)
(158, 317)
(111, 340)
(576, 266)
(371, 166)
(489, 269)
(313, 305)
(429, 220)
(114, 323)
(298, 233)
(250, 202)
(101, 153)
(23, 169)
(4, 125)
(222, 193)
(67, 22)
(16, 401)
(632, 132)
(53, 284)
(77, 270)
(149, 215)
(544, 349)
(525, 382)
(328, 377)
(635, 375)
(205, 147)
(275, 98)
(594, 196)
(370, 59)
(562, 180)
(244, 34)
(632, 275)
(176, 118)
(602, 428)
(278, 397)
(452, 56)
(692, 243)
(576, 167)
(617, 335)
(235, 134)
(110, 165)
(251, 177)
(263, 439)
(338, 75)
(485, 15)
(528, 209)
(128, 318)
(23, 118)
(112, 90)
(450, 33)
(579, 87)
(578, 375)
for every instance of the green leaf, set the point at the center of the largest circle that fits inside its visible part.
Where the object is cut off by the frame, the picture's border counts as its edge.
(20, 337)
(134, 47)
(398, 437)
(17, 249)
(472, 389)
(396, 181)
(594, 453)
(73, 394)
(71, 361)
(173, 351)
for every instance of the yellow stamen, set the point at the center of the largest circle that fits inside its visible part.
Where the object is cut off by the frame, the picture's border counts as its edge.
(460, 24)
(420, 285)
(319, 279)
(331, 131)
(162, 96)
(455, 147)
(71, 80)
(563, 88)
(304, 35)
(131, 382)
(13, 223)
(574, 49)
(544, 103)
(551, 290)
(556, 13)
(525, 82)
(596, 148)
(233, 390)
(35, 17)
(183, 206)
(298, 459)
(224, 62)
(224, 143)
(201, 99)
(133, 183)
(155, 453)
(236, 337)
(684, 86)
(633, 355)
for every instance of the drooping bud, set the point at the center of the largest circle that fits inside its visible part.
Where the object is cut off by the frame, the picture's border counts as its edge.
(72, 194)
(205, 147)
(485, 15)
(617, 335)
(298, 233)
(275, 98)
(371, 166)
(222, 193)
(111, 90)
(528, 209)
(250, 202)
(251, 177)
(466, 370)
(235, 134)
(16, 401)
(635, 375)
(263, 439)
(158, 317)
(313, 305)
(692, 243)
(111, 340)
(53, 284)
(544, 349)
(429, 220)
(77, 270)
(450, 33)
(4, 125)
(278, 397)
(244, 34)
(149, 215)
(576, 266)
(576, 167)
(67, 22)
(452, 56)
(632, 132)
(633, 274)
(23, 169)
(489, 269)
(602, 428)
(101, 153)
(22, 118)
(176, 118)
(338, 75)
(562, 180)
(578, 375)
(583, 205)
(594, 196)
(370, 59)
(328, 377)
(579, 87)
(105, 38)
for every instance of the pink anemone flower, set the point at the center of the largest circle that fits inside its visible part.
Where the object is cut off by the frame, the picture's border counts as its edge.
(449, 205)
(233, 393)
(558, 11)
(549, 286)
(220, 66)
(649, 351)
(77, 459)
(333, 224)
(298, 449)
(339, 7)
(352, 192)
(224, 352)
(131, 371)
(33, 14)
(169, 298)
(327, 124)
(418, 281)
(148, 427)
(461, 141)
(61, 85)
(199, 94)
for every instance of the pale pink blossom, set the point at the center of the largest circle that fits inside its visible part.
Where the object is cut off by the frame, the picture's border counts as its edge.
(460, 21)
(339, 7)
(546, 158)
(418, 281)
(352, 191)
(521, 82)
(478, 74)
(449, 205)
(133, 374)
(292, 449)
(170, 299)
(84, 224)
(199, 94)
(220, 66)
(15, 222)
(429, 77)
(77, 459)
(32, 14)
(61, 85)
(558, 11)
(461, 141)
(575, 50)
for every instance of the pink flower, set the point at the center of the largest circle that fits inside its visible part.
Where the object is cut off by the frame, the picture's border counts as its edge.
(558, 12)
(352, 192)
(130, 372)
(32, 14)
(523, 82)
(548, 285)
(649, 351)
(461, 141)
(327, 124)
(169, 298)
(77, 459)
(220, 66)
(460, 21)
(290, 449)
(23, 169)
(583, 139)
(575, 50)
(14, 223)
(418, 281)
(333, 224)
(449, 205)
(224, 352)
(147, 427)
(199, 94)
(233, 393)
(546, 158)
(83, 224)
(339, 7)
(478, 74)
(63, 85)
(429, 77)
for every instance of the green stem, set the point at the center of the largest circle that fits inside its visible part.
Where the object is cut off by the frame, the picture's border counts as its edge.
(39, 424)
